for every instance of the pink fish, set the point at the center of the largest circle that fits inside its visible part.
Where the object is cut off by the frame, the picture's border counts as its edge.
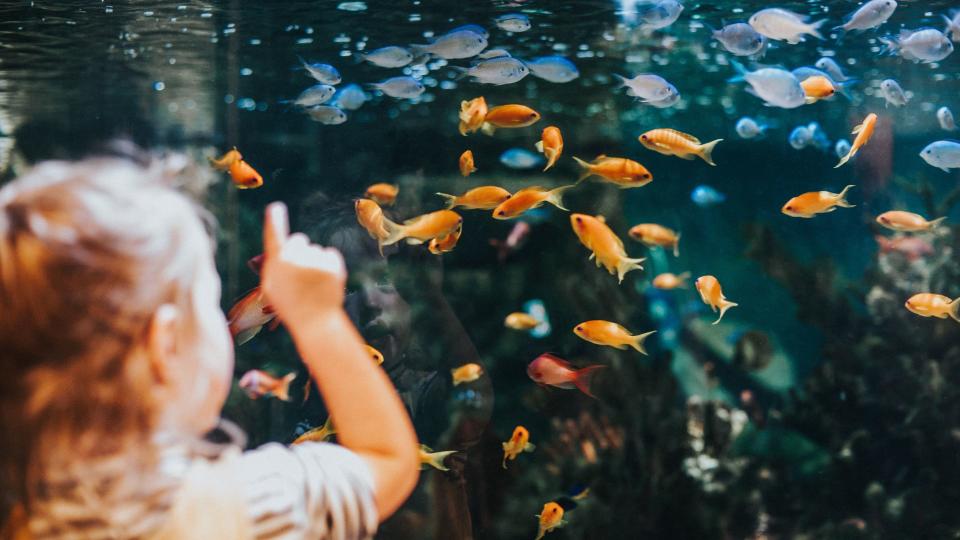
(912, 247)
(514, 241)
(552, 370)
(248, 316)
(258, 384)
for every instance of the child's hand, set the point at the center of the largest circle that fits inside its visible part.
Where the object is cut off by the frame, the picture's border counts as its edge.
(301, 280)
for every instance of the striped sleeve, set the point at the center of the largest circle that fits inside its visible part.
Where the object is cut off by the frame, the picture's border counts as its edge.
(309, 491)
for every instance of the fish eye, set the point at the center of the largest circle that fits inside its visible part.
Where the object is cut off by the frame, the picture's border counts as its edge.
(578, 219)
(928, 152)
(500, 212)
(644, 137)
(645, 176)
(789, 207)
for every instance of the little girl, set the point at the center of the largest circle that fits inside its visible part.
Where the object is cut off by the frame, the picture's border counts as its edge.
(115, 361)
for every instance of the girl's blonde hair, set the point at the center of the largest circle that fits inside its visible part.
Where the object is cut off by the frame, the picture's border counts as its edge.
(88, 252)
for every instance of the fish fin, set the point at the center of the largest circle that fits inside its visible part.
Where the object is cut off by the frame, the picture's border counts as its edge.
(809, 100)
(637, 341)
(706, 151)
(583, 377)
(676, 246)
(283, 393)
(814, 28)
(529, 447)
(504, 462)
(274, 324)
(724, 306)
(539, 146)
(688, 157)
(683, 135)
(555, 196)
(741, 71)
(395, 233)
(450, 200)
(844, 159)
(586, 173)
(954, 309)
(436, 459)
(842, 198)
(936, 222)
(247, 335)
(592, 255)
(626, 265)
(488, 129)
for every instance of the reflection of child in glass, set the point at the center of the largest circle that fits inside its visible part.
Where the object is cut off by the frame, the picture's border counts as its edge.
(116, 360)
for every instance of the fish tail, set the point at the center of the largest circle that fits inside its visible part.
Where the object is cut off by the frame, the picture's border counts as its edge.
(540, 532)
(626, 265)
(741, 72)
(529, 447)
(450, 200)
(246, 335)
(462, 72)
(936, 222)
(676, 246)
(843, 88)
(283, 393)
(586, 169)
(488, 129)
(436, 459)
(555, 196)
(842, 198)
(706, 151)
(583, 377)
(891, 45)
(954, 310)
(814, 28)
(395, 233)
(637, 341)
(846, 158)
(724, 306)
(539, 146)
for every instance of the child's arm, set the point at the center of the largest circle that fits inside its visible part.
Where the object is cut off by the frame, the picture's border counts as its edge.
(304, 283)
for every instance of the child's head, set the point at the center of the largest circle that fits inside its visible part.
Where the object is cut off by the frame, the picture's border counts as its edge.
(110, 324)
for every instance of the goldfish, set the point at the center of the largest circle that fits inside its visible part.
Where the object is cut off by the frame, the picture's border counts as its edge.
(780, 24)
(898, 220)
(870, 15)
(466, 164)
(466, 373)
(518, 443)
(472, 115)
(623, 172)
(555, 69)
(514, 240)
(863, 132)
(812, 203)
(528, 199)
(422, 228)
(651, 234)
(382, 193)
(549, 369)
(893, 93)
(533, 318)
(551, 517)
(817, 87)
(248, 316)
(934, 305)
(445, 244)
(550, 145)
(611, 334)
(224, 162)
(911, 247)
(375, 354)
(671, 142)
(511, 116)
(944, 155)
(244, 176)
(607, 248)
(317, 434)
(371, 218)
(433, 459)
(668, 281)
(520, 321)
(479, 198)
(712, 295)
(258, 384)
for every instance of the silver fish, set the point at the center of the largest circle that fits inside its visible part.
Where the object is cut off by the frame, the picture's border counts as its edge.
(455, 45)
(315, 95)
(400, 87)
(748, 128)
(945, 117)
(555, 69)
(777, 87)
(830, 66)
(322, 73)
(388, 57)
(513, 22)
(649, 87)
(783, 25)
(944, 155)
(351, 97)
(740, 39)
(923, 45)
(500, 70)
(658, 14)
(327, 115)
(892, 92)
(870, 15)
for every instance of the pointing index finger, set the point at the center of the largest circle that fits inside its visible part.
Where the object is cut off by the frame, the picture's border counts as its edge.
(276, 228)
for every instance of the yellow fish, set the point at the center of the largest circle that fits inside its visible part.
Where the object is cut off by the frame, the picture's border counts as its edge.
(445, 244)
(817, 87)
(528, 199)
(934, 305)
(712, 295)
(224, 162)
(652, 234)
(812, 203)
(519, 442)
(433, 459)
(607, 248)
(466, 163)
(550, 145)
(551, 517)
(479, 198)
(671, 142)
(319, 434)
(472, 114)
(625, 173)
(466, 373)
(611, 334)
(863, 132)
(511, 116)
(520, 321)
(382, 193)
(375, 354)
(422, 228)
(668, 281)
(371, 218)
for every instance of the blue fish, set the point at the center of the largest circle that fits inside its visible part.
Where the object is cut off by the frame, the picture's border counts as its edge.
(519, 158)
(704, 196)
(351, 97)
(322, 73)
(555, 69)
(536, 309)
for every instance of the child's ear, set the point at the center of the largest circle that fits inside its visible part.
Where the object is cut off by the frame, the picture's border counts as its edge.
(162, 342)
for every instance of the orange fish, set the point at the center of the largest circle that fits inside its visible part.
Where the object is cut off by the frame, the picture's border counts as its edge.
(668, 281)
(422, 228)
(318, 434)
(466, 163)
(248, 316)
(607, 248)
(370, 216)
(429, 458)
(623, 172)
(224, 162)
(518, 443)
(818, 87)
(611, 334)
(385, 194)
(712, 295)
(510, 116)
(651, 234)
(480, 198)
(671, 142)
(550, 145)
(375, 354)
(550, 517)
(863, 132)
(898, 220)
(258, 384)
(528, 199)
(551, 370)
(934, 305)
(812, 203)
(466, 373)
(472, 114)
(244, 176)
(446, 243)
(521, 321)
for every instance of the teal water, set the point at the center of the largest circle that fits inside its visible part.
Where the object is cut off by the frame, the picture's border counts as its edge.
(819, 407)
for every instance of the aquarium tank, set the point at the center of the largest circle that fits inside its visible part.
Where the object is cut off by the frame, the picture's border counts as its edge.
(706, 288)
